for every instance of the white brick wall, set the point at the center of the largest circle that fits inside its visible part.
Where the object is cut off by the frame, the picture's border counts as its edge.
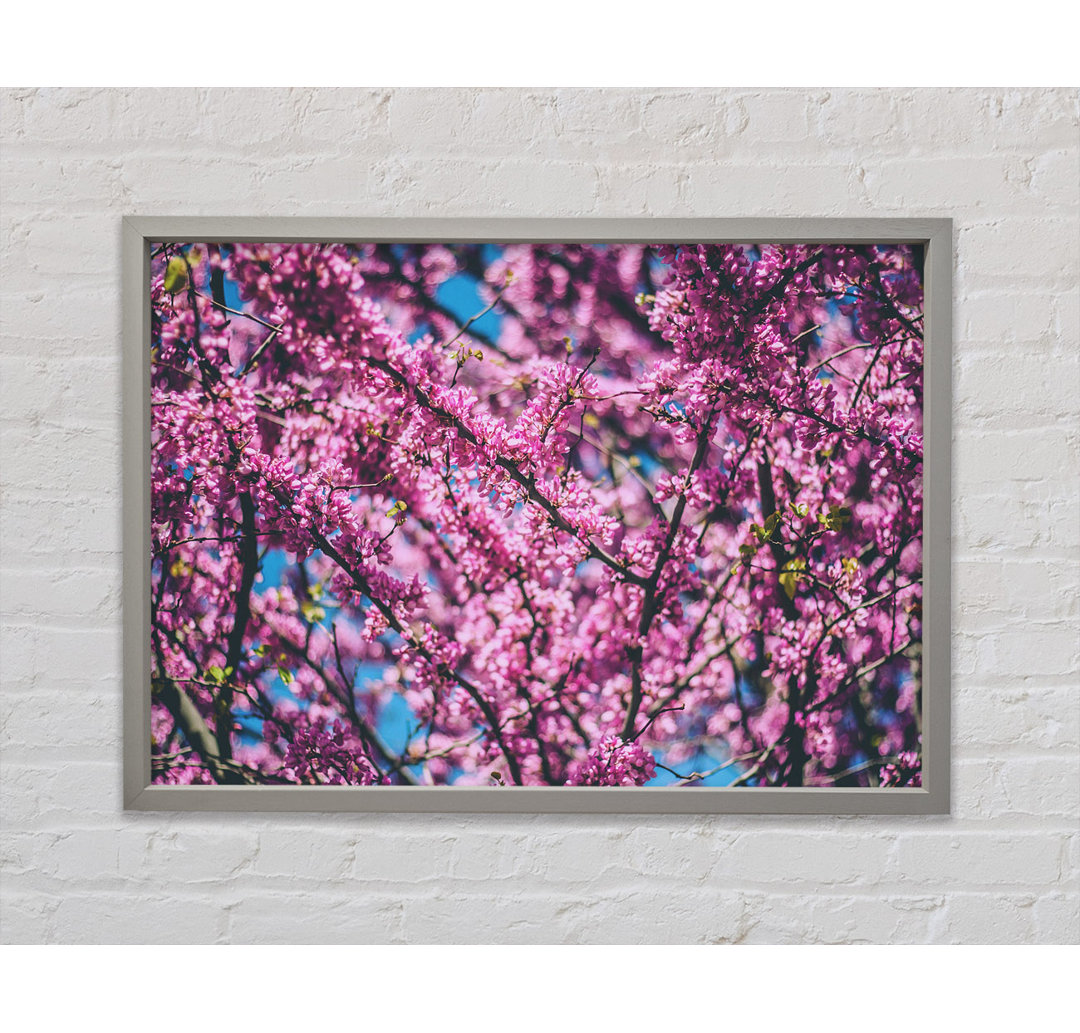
(1005, 164)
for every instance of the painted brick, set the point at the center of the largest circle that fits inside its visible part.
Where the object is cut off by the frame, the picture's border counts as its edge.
(284, 917)
(1003, 868)
(980, 859)
(973, 918)
(990, 718)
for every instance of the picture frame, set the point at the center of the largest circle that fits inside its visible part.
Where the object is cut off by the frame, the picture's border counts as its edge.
(934, 235)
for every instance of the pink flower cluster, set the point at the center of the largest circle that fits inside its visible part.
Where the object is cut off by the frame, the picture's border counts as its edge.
(633, 506)
(906, 770)
(329, 755)
(613, 762)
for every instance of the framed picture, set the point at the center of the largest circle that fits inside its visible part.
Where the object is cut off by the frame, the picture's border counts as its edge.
(537, 515)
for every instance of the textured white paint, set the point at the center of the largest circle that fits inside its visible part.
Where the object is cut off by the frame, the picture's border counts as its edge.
(1004, 867)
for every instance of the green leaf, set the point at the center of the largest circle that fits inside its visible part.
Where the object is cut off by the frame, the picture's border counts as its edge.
(790, 574)
(836, 518)
(770, 524)
(747, 552)
(313, 613)
(285, 675)
(216, 674)
(176, 276)
(838, 515)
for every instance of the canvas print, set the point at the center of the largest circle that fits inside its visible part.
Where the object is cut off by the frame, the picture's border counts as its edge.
(509, 515)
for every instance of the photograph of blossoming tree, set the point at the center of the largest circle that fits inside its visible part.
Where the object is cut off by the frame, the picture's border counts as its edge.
(521, 514)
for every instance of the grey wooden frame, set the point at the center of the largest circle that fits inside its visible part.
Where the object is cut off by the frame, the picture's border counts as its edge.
(934, 234)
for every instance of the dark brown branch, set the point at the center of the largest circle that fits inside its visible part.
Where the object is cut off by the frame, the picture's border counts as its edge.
(793, 733)
(649, 605)
(525, 481)
(199, 737)
(361, 583)
(249, 558)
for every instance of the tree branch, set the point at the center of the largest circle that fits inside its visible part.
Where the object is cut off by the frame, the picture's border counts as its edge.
(249, 558)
